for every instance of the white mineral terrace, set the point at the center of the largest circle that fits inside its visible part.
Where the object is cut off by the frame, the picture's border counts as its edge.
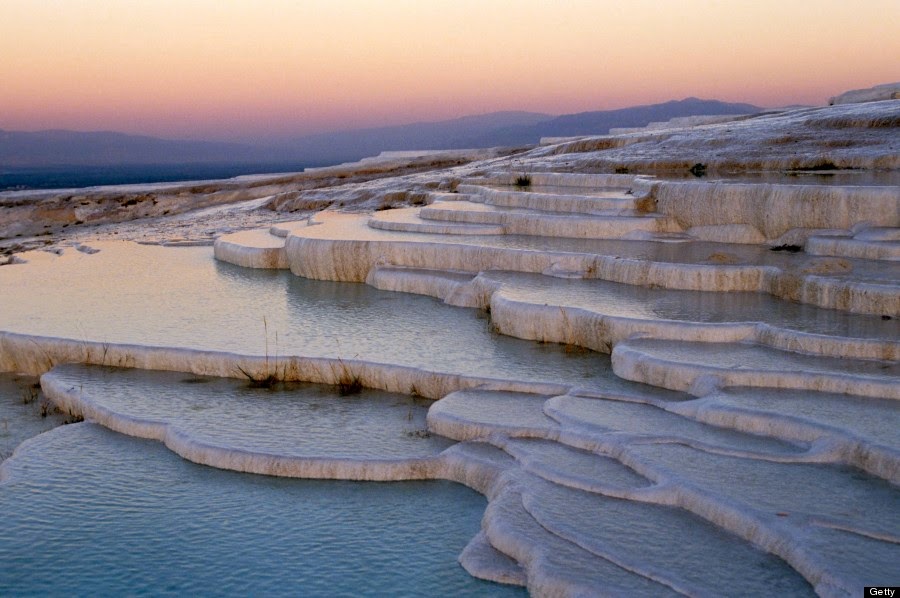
(636, 267)
(348, 247)
(662, 387)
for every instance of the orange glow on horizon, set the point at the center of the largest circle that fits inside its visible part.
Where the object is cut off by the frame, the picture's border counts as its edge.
(243, 70)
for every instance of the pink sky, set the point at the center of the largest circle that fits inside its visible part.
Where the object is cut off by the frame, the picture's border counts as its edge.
(242, 70)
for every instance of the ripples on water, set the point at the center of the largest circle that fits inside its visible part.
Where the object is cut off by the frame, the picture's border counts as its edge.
(84, 507)
(292, 420)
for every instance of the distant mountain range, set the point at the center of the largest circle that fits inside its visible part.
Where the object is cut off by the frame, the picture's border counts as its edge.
(57, 147)
(600, 122)
(459, 133)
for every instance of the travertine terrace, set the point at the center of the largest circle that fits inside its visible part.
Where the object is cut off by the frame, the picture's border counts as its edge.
(741, 435)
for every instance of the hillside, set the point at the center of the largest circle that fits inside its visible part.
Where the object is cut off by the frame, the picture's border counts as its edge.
(19, 149)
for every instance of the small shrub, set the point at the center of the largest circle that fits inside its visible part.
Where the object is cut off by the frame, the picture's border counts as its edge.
(350, 385)
(269, 381)
(786, 247)
(347, 382)
(698, 170)
(523, 180)
(821, 166)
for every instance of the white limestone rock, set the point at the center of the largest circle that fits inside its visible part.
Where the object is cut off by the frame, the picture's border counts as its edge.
(887, 91)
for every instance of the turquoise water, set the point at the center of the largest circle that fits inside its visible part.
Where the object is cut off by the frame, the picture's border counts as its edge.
(21, 407)
(125, 516)
(86, 508)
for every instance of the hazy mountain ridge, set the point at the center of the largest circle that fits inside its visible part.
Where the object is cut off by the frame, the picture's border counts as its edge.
(458, 133)
(20, 149)
(599, 122)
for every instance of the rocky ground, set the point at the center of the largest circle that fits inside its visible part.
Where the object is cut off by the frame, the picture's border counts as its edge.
(196, 212)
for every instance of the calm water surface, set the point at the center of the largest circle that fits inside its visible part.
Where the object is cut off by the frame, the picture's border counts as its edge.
(182, 297)
(87, 511)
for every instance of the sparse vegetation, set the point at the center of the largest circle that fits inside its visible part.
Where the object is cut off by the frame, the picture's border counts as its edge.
(73, 418)
(30, 393)
(523, 179)
(269, 379)
(349, 385)
(46, 408)
(821, 166)
(347, 382)
(47, 357)
(698, 170)
(788, 248)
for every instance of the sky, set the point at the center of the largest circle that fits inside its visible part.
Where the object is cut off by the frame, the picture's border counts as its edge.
(258, 70)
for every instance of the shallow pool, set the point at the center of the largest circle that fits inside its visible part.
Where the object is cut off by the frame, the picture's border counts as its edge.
(290, 420)
(91, 510)
(182, 297)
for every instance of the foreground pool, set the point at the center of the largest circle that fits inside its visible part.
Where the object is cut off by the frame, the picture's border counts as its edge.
(90, 509)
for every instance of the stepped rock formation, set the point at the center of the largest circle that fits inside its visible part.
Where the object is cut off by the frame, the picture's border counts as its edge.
(740, 437)
(888, 91)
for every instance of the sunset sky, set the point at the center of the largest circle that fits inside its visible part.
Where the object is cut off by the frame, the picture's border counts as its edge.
(236, 70)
